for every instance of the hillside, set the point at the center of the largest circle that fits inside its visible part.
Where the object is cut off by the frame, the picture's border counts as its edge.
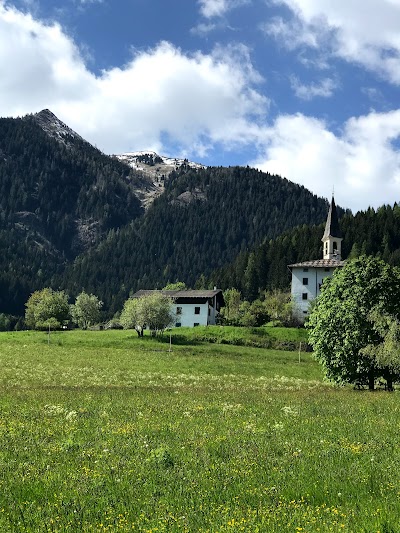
(202, 221)
(265, 266)
(72, 217)
(58, 196)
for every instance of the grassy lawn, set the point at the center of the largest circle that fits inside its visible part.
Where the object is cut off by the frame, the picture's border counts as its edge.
(103, 431)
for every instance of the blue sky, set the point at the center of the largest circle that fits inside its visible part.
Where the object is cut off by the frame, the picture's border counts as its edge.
(308, 89)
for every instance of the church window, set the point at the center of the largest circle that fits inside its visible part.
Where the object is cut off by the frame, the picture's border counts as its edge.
(305, 281)
(305, 296)
(305, 269)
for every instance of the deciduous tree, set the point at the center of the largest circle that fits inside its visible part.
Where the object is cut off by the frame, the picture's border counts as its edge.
(131, 317)
(86, 310)
(153, 311)
(341, 330)
(177, 286)
(47, 308)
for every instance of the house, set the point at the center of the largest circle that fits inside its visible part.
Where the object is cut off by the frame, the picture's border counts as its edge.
(307, 277)
(192, 308)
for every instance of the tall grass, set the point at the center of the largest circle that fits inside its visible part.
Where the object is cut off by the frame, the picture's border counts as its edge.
(103, 431)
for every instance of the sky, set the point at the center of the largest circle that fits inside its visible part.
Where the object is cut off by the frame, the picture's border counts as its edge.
(307, 89)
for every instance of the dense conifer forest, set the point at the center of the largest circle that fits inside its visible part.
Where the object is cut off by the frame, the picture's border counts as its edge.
(265, 267)
(204, 219)
(70, 219)
(57, 198)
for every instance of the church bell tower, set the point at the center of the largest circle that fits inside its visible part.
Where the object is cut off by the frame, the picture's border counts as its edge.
(332, 239)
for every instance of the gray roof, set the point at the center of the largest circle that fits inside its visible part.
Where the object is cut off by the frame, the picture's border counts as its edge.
(332, 228)
(179, 294)
(320, 263)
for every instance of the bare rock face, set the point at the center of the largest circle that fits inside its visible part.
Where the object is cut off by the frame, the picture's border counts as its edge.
(54, 127)
(155, 168)
(188, 197)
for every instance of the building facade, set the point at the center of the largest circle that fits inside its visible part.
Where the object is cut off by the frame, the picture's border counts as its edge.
(192, 308)
(308, 276)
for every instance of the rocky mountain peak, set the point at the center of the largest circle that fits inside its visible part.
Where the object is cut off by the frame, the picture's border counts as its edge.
(53, 126)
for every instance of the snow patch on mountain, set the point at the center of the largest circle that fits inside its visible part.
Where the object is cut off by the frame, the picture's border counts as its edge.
(154, 164)
(156, 168)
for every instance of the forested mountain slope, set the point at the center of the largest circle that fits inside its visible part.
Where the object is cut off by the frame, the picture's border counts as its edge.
(204, 218)
(265, 267)
(58, 196)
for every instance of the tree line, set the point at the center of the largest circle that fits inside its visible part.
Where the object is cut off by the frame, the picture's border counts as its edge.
(265, 267)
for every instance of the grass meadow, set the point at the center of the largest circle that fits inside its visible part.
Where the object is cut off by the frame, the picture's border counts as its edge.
(103, 431)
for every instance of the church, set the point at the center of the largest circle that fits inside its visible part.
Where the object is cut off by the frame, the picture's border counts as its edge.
(307, 277)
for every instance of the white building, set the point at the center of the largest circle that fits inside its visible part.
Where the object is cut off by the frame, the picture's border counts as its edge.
(307, 277)
(192, 308)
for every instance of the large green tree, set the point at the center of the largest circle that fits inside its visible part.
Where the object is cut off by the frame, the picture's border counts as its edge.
(342, 333)
(47, 308)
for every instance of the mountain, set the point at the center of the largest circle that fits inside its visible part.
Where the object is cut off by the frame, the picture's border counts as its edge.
(58, 197)
(204, 218)
(72, 217)
(59, 187)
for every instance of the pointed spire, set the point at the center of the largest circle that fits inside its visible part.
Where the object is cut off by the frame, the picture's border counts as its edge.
(332, 228)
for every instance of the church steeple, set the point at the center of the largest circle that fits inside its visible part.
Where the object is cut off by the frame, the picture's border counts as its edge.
(332, 238)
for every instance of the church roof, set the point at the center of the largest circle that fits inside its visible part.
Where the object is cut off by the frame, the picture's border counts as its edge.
(320, 263)
(332, 228)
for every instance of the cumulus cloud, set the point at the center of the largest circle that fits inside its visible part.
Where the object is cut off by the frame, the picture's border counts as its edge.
(362, 163)
(39, 65)
(367, 34)
(162, 93)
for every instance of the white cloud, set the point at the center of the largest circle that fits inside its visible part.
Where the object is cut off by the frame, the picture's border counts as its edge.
(193, 100)
(39, 65)
(362, 163)
(203, 29)
(213, 8)
(218, 8)
(324, 89)
(365, 33)
(292, 34)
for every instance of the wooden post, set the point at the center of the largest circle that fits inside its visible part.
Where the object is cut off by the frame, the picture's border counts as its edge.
(299, 352)
(170, 343)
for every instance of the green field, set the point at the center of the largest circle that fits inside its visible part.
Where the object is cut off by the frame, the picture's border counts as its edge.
(103, 431)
